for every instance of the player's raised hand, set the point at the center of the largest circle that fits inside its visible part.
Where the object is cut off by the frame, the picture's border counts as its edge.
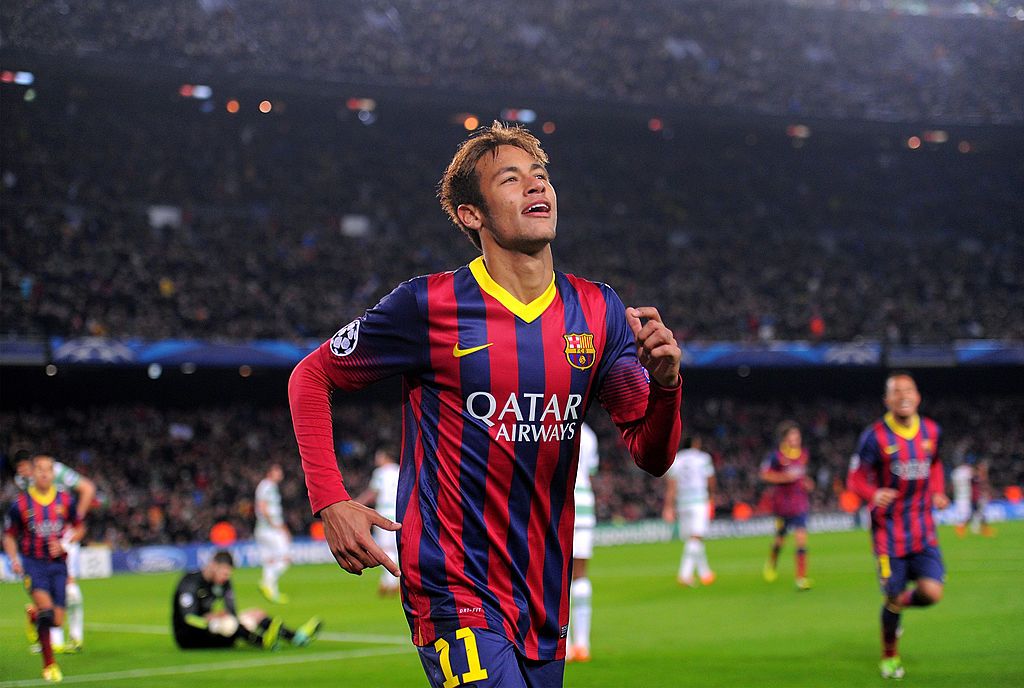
(347, 529)
(940, 500)
(656, 347)
(884, 496)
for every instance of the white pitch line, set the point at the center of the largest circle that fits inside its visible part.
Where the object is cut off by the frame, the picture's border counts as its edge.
(213, 666)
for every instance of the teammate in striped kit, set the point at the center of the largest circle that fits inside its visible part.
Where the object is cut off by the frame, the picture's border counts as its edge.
(898, 472)
(581, 591)
(500, 361)
(272, 535)
(34, 530)
(67, 480)
(382, 494)
(785, 469)
(691, 483)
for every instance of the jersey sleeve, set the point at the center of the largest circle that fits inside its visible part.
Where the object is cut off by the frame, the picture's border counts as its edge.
(186, 598)
(862, 479)
(375, 346)
(12, 520)
(709, 466)
(65, 476)
(646, 413)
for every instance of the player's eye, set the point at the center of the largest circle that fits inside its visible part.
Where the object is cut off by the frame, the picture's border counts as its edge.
(508, 179)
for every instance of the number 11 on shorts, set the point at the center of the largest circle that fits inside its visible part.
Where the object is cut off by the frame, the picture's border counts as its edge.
(475, 673)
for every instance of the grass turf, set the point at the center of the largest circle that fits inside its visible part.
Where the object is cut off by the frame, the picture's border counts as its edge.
(647, 631)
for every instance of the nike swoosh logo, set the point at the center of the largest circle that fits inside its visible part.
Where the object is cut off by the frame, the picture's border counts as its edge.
(459, 353)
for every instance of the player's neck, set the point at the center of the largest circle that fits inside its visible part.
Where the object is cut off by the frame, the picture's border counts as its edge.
(524, 276)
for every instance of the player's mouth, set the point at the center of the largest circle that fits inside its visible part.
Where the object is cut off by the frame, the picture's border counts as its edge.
(538, 209)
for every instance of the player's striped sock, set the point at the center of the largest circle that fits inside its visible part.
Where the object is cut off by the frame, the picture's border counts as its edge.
(801, 562)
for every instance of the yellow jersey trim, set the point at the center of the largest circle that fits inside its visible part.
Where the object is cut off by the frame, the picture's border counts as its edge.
(791, 453)
(527, 312)
(903, 431)
(44, 498)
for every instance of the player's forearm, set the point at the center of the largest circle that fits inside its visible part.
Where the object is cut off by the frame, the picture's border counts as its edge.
(937, 479)
(654, 440)
(861, 484)
(309, 396)
(10, 548)
(86, 494)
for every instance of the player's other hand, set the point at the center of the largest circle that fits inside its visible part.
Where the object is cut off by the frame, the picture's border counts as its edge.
(347, 529)
(668, 515)
(884, 496)
(656, 347)
(55, 548)
(940, 500)
(16, 568)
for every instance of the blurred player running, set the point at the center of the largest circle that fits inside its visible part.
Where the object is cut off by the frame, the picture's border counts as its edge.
(382, 494)
(500, 361)
(65, 479)
(272, 534)
(786, 469)
(688, 497)
(898, 472)
(581, 591)
(35, 527)
(970, 497)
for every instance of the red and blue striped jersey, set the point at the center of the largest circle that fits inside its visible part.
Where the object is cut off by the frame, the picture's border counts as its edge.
(789, 499)
(494, 393)
(906, 460)
(35, 519)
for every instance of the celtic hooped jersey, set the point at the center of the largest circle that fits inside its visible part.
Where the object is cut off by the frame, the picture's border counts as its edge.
(494, 393)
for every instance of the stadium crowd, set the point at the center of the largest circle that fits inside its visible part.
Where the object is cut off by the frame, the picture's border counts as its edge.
(766, 56)
(287, 226)
(167, 476)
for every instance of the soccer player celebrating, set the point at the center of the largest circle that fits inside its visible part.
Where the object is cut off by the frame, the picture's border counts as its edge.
(204, 614)
(897, 471)
(786, 469)
(382, 494)
(272, 534)
(691, 485)
(65, 479)
(581, 591)
(34, 529)
(500, 361)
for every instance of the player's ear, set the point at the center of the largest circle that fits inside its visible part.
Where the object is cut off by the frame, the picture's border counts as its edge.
(470, 216)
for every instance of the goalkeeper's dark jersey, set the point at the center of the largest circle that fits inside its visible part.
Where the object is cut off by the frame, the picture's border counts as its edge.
(197, 596)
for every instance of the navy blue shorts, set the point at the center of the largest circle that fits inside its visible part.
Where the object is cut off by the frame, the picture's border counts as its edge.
(895, 572)
(783, 524)
(47, 575)
(482, 658)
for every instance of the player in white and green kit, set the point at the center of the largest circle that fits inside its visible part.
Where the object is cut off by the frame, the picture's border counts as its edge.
(272, 534)
(382, 494)
(69, 480)
(691, 480)
(581, 591)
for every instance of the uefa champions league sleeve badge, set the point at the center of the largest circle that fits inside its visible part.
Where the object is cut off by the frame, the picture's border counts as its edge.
(344, 341)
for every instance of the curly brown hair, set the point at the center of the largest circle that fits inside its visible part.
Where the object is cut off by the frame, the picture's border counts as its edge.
(461, 184)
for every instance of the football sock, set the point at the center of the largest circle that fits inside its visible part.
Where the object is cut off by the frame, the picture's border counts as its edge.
(44, 622)
(890, 622)
(774, 558)
(702, 558)
(581, 592)
(75, 613)
(801, 562)
(914, 598)
(56, 636)
(689, 560)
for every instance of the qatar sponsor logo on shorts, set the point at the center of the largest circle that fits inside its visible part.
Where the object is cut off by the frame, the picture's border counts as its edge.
(344, 340)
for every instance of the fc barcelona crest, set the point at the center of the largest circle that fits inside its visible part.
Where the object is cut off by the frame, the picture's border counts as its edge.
(579, 350)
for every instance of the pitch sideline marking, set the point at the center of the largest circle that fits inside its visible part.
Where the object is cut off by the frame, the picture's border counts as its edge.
(213, 666)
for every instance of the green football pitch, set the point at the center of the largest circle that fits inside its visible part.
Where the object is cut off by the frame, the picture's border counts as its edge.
(647, 631)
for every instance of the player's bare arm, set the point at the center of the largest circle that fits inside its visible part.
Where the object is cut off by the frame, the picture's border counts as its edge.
(656, 347)
(884, 496)
(347, 527)
(86, 490)
(11, 550)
